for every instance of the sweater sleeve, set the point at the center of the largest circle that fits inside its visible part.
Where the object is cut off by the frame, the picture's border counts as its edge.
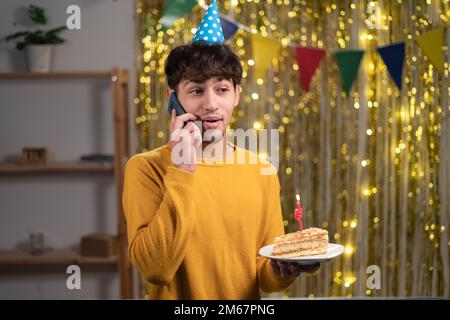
(268, 281)
(159, 222)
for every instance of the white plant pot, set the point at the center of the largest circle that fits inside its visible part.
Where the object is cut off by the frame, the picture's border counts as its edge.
(38, 57)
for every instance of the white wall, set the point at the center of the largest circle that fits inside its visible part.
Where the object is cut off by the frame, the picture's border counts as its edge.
(70, 117)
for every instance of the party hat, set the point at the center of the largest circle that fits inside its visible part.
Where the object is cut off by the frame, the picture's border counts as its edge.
(210, 29)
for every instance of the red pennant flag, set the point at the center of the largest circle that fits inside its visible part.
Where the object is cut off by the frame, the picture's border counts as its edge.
(308, 60)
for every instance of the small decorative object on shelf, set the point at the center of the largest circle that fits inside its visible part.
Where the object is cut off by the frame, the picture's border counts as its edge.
(37, 245)
(97, 157)
(33, 156)
(99, 245)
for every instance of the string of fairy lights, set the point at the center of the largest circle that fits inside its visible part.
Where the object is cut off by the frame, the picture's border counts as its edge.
(372, 166)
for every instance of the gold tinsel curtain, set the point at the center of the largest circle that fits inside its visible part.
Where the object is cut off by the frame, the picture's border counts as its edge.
(372, 166)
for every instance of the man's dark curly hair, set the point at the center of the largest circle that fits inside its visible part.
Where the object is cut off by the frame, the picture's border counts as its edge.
(199, 61)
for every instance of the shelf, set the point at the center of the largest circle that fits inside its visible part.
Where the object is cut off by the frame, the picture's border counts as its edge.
(59, 74)
(118, 80)
(52, 257)
(57, 167)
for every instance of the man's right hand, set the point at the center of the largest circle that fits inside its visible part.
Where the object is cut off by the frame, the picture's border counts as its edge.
(185, 137)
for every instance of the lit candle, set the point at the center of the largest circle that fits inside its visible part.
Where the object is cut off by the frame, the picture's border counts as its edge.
(299, 212)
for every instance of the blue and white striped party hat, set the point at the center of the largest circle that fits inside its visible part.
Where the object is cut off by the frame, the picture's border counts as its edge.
(210, 29)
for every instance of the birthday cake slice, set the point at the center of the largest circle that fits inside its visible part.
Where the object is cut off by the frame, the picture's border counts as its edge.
(311, 241)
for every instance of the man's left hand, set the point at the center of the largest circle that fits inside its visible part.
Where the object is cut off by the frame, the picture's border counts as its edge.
(288, 270)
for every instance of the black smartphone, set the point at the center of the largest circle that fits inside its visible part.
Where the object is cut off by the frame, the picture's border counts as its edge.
(174, 103)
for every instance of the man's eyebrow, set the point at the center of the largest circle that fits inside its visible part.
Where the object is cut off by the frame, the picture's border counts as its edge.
(194, 81)
(216, 80)
(220, 79)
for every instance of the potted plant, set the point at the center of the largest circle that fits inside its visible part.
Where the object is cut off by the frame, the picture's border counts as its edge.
(37, 44)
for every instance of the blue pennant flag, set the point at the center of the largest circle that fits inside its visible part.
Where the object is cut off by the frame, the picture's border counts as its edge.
(393, 57)
(229, 28)
(210, 29)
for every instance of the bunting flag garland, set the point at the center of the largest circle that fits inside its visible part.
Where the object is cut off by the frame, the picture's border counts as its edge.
(393, 57)
(229, 28)
(431, 43)
(308, 60)
(174, 9)
(264, 49)
(348, 62)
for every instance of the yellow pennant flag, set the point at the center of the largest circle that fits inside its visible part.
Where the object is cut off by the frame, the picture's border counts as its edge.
(431, 44)
(264, 49)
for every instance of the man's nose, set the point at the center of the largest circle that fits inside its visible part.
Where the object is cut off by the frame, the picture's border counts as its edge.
(210, 104)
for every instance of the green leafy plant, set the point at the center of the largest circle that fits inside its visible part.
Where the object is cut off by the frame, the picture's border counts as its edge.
(37, 37)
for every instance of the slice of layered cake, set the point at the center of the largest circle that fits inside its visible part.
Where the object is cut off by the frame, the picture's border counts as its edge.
(311, 241)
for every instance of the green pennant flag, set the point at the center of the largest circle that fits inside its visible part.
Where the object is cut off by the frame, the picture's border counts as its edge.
(174, 9)
(348, 62)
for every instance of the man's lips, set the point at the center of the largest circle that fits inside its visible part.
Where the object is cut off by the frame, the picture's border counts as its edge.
(211, 124)
(211, 121)
(212, 118)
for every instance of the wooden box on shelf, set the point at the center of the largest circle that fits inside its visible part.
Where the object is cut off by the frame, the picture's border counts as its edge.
(33, 156)
(99, 245)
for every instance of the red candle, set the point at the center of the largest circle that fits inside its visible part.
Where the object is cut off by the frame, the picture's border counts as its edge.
(299, 212)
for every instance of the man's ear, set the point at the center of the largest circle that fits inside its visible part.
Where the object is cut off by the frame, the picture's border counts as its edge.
(169, 91)
(236, 97)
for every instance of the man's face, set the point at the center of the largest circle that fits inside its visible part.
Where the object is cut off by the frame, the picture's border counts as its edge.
(212, 101)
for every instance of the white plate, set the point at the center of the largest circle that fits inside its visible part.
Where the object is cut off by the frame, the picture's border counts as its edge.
(333, 251)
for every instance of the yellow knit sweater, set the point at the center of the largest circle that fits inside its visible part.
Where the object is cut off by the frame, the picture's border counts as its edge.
(197, 235)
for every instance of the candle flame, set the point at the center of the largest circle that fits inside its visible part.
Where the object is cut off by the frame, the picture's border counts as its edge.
(297, 196)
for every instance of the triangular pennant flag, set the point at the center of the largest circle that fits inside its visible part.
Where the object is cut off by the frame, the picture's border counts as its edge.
(174, 9)
(348, 62)
(210, 29)
(431, 44)
(264, 49)
(393, 57)
(229, 27)
(308, 60)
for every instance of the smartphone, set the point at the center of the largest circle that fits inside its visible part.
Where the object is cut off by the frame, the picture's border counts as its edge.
(174, 103)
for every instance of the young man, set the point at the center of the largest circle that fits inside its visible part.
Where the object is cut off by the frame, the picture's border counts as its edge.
(195, 227)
